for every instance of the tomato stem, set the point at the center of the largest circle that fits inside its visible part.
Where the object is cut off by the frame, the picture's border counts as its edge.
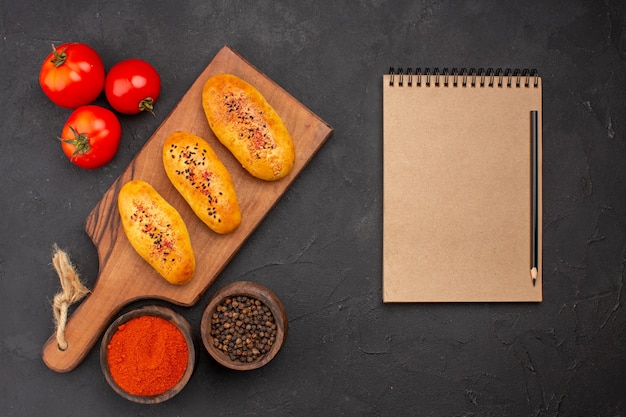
(147, 104)
(59, 57)
(80, 142)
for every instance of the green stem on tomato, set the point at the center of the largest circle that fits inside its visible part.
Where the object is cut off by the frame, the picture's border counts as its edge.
(80, 142)
(59, 57)
(147, 104)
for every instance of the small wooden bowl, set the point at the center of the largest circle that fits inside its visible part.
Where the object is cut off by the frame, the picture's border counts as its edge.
(254, 291)
(157, 311)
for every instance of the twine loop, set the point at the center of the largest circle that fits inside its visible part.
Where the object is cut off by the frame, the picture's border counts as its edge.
(72, 291)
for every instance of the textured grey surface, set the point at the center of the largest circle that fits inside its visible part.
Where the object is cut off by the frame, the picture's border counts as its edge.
(320, 248)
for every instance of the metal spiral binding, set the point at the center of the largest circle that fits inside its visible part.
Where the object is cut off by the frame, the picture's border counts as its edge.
(464, 77)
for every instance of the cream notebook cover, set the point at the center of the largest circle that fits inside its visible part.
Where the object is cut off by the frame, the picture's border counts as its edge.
(458, 186)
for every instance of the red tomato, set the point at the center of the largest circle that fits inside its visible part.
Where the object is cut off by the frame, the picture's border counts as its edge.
(91, 136)
(72, 75)
(132, 86)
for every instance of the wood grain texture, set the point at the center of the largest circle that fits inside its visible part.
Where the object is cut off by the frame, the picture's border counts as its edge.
(125, 277)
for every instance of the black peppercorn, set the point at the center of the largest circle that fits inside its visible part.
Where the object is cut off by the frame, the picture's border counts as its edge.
(243, 328)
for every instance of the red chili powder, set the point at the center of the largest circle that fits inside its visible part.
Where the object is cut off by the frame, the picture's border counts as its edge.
(147, 356)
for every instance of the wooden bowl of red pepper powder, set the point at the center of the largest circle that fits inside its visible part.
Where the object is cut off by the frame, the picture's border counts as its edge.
(147, 355)
(244, 326)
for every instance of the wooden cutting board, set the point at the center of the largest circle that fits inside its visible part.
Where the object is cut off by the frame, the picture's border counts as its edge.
(125, 277)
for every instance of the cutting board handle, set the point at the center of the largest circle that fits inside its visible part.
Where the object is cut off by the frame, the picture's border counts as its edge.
(82, 330)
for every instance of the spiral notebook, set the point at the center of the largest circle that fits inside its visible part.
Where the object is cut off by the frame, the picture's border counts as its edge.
(462, 194)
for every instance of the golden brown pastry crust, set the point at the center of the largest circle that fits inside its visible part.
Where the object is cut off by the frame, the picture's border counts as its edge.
(156, 231)
(248, 126)
(202, 180)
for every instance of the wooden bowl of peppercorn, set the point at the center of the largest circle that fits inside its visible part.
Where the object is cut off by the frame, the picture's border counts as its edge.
(243, 326)
(147, 355)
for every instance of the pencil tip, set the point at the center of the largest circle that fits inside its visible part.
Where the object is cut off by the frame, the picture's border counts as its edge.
(533, 275)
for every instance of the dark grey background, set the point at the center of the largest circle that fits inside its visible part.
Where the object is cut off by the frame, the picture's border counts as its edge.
(320, 248)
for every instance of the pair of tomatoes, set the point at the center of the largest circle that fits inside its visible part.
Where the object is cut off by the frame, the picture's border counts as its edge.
(73, 76)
